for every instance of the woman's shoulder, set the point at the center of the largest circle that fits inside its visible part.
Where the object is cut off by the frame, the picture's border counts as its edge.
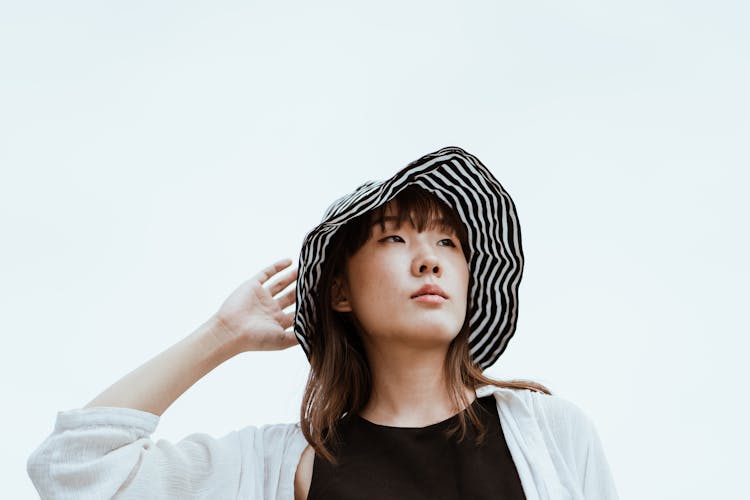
(549, 410)
(568, 432)
(285, 437)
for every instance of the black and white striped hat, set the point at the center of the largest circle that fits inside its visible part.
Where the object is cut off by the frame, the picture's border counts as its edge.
(461, 181)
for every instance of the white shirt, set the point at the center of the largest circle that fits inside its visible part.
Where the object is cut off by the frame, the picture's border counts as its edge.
(100, 452)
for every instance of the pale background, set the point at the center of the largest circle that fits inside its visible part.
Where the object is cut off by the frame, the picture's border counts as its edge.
(156, 154)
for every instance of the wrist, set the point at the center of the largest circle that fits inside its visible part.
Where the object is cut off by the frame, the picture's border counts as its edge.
(217, 340)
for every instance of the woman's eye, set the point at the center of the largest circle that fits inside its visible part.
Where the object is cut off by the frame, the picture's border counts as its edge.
(450, 241)
(389, 237)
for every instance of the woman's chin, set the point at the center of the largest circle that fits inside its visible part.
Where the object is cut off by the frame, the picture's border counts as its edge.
(437, 334)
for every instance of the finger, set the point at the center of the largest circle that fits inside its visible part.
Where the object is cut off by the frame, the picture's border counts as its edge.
(290, 339)
(271, 270)
(287, 320)
(288, 298)
(282, 340)
(288, 278)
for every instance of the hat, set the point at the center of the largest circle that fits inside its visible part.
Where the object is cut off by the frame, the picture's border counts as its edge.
(461, 181)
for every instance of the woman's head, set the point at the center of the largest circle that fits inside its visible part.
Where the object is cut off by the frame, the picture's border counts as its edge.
(389, 254)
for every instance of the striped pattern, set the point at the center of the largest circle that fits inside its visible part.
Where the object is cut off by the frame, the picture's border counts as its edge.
(461, 181)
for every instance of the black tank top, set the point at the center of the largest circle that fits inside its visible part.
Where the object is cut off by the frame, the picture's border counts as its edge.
(379, 462)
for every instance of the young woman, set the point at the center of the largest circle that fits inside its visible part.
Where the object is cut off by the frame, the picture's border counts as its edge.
(405, 292)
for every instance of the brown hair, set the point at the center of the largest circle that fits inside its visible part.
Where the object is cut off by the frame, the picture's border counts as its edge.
(339, 382)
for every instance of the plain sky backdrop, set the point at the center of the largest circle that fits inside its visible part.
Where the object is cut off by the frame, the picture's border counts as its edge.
(156, 154)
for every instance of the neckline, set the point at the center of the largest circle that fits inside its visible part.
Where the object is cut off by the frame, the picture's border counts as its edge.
(439, 424)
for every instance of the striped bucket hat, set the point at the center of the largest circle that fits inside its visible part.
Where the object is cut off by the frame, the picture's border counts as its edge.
(461, 181)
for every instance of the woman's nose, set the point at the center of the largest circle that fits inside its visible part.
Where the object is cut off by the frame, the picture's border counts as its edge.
(427, 264)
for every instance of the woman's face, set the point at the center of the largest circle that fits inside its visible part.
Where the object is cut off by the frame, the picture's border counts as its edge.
(384, 275)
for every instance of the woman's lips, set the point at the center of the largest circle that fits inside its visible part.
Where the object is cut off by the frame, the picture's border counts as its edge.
(429, 299)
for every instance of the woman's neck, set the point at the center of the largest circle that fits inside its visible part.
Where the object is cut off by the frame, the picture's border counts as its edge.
(410, 391)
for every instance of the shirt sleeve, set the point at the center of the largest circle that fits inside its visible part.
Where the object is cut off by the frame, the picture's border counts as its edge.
(577, 449)
(106, 452)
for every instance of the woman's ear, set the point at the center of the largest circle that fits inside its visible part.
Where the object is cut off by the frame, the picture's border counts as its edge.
(339, 295)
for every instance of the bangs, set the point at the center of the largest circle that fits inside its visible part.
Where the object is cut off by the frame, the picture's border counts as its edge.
(420, 208)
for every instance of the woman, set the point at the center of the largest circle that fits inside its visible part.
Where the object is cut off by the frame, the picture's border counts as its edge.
(406, 291)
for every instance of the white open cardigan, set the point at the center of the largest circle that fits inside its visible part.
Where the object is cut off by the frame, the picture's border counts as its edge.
(99, 453)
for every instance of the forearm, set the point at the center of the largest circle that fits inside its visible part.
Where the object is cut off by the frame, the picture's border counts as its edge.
(156, 384)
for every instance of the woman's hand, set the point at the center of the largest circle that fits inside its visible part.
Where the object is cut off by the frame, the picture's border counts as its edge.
(252, 317)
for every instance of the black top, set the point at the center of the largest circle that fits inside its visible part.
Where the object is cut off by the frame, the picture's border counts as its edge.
(414, 463)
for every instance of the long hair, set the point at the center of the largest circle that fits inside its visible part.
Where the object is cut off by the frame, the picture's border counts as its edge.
(339, 383)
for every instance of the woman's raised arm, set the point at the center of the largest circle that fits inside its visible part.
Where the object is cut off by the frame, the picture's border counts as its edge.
(105, 448)
(250, 319)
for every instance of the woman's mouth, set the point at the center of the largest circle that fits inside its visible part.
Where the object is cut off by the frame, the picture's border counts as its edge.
(429, 298)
